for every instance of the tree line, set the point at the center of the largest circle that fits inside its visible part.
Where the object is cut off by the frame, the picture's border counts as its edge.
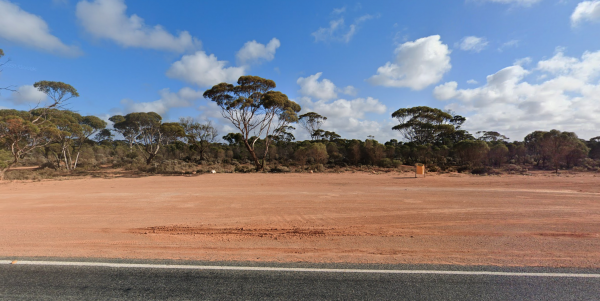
(55, 137)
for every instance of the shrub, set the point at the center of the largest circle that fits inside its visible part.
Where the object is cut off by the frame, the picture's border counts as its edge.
(280, 169)
(484, 171)
(433, 168)
(169, 167)
(463, 168)
(244, 169)
(317, 167)
(386, 163)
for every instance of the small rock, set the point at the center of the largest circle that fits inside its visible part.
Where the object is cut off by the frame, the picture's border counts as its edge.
(213, 171)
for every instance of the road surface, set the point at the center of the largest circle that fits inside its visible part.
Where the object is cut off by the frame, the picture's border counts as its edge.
(53, 280)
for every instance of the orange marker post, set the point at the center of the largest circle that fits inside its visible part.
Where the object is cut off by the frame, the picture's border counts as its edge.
(419, 169)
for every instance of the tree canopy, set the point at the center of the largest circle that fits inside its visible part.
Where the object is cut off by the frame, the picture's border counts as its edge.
(253, 107)
(312, 123)
(59, 92)
(423, 125)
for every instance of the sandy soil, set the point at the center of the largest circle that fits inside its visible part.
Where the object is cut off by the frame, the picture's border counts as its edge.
(540, 220)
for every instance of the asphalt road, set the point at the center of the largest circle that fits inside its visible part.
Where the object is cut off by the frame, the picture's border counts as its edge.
(48, 282)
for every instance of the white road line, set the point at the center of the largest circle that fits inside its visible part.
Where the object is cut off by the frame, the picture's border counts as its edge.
(281, 269)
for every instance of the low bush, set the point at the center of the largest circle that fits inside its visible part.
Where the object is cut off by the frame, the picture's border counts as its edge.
(169, 167)
(280, 168)
(433, 168)
(244, 169)
(463, 168)
(317, 167)
(484, 171)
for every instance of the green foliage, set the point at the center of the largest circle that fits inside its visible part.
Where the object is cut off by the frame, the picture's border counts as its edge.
(312, 123)
(233, 138)
(423, 125)
(252, 107)
(318, 153)
(471, 152)
(59, 92)
(5, 157)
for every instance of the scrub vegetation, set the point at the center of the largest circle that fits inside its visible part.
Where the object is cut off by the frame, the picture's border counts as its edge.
(50, 137)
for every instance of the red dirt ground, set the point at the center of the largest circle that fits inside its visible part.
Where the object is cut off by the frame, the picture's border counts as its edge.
(540, 220)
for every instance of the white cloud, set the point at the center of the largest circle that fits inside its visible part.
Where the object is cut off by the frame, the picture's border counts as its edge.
(107, 19)
(27, 94)
(355, 108)
(523, 61)
(509, 44)
(586, 11)
(525, 3)
(185, 97)
(324, 89)
(567, 99)
(204, 70)
(349, 90)
(337, 30)
(472, 82)
(347, 117)
(21, 27)
(311, 86)
(472, 43)
(337, 11)
(418, 64)
(254, 52)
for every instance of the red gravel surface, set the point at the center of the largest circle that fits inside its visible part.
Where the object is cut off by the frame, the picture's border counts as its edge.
(539, 220)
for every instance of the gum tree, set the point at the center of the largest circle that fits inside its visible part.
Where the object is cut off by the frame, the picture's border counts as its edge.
(19, 136)
(199, 135)
(423, 125)
(21, 132)
(74, 131)
(255, 110)
(312, 123)
(147, 131)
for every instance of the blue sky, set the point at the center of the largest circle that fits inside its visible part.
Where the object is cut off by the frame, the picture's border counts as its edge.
(512, 66)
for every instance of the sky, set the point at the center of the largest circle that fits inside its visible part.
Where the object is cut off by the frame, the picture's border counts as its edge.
(511, 66)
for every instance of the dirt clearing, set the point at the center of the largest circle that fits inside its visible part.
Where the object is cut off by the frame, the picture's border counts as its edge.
(540, 220)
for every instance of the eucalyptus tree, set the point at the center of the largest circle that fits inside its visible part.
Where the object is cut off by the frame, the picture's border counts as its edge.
(557, 145)
(127, 129)
(21, 132)
(312, 123)
(199, 135)
(491, 136)
(58, 92)
(284, 134)
(74, 131)
(144, 130)
(171, 132)
(424, 125)
(255, 110)
(471, 152)
(534, 147)
(20, 135)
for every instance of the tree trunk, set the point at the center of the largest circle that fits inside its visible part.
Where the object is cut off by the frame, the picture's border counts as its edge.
(76, 159)
(5, 169)
(150, 158)
(267, 143)
(251, 150)
(66, 160)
